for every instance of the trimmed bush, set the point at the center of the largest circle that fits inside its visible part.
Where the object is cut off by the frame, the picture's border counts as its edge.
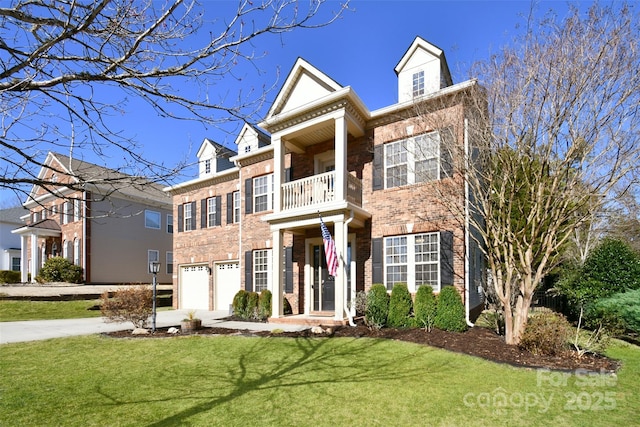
(239, 303)
(286, 307)
(59, 269)
(264, 305)
(546, 333)
(133, 304)
(361, 303)
(450, 311)
(400, 307)
(425, 308)
(252, 306)
(622, 309)
(9, 276)
(377, 306)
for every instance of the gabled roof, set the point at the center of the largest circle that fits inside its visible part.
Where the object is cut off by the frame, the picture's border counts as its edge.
(44, 227)
(304, 84)
(260, 133)
(13, 215)
(99, 178)
(420, 43)
(219, 149)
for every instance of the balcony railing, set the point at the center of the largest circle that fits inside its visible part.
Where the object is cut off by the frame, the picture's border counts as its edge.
(318, 189)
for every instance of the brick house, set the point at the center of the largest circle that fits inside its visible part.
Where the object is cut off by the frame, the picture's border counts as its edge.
(371, 176)
(112, 231)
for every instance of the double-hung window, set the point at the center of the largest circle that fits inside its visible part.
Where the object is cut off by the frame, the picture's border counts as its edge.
(263, 193)
(236, 206)
(261, 269)
(76, 210)
(188, 214)
(211, 212)
(413, 259)
(152, 219)
(169, 223)
(418, 84)
(412, 160)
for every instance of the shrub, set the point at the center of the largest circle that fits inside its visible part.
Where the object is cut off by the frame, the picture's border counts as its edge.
(400, 307)
(425, 307)
(252, 306)
(621, 310)
(8, 276)
(264, 304)
(377, 306)
(546, 333)
(239, 303)
(133, 304)
(361, 303)
(59, 269)
(450, 311)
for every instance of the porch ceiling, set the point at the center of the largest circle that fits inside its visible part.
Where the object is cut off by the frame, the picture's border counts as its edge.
(298, 220)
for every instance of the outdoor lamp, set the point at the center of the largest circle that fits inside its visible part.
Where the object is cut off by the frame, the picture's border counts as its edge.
(154, 267)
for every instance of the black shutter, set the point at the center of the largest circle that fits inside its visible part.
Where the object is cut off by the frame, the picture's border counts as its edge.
(193, 215)
(377, 258)
(248, 195)
(288, 269)
(218, 210)
(180, 218)
(229, 208)
(288, 174)
(248, 271)
(447, 145)
(203, 213)
(446, 258)
(378, 167)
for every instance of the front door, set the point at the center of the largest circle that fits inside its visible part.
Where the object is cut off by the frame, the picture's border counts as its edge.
(323, 284)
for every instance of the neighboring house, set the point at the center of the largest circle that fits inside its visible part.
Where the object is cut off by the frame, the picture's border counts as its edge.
(9, 242)
(111, 231)
(254, 223)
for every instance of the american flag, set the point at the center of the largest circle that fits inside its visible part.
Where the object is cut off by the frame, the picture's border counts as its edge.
(329, 250)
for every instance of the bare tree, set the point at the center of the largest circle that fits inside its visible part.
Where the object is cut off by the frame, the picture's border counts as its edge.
(552, 139)
(67, 69)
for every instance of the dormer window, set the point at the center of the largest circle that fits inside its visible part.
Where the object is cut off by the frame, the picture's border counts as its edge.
(247, 148)
(207, 166)
(418, 84)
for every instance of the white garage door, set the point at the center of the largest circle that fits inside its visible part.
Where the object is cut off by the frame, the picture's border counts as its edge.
(227, 284)
(194, 287)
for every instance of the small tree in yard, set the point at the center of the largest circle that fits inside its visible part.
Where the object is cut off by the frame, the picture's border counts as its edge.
(132, 304)
(425, 308)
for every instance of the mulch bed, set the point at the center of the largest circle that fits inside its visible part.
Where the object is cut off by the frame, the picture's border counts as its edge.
(477, 341)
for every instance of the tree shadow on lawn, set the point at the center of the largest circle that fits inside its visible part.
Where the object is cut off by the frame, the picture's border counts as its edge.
(248, 375)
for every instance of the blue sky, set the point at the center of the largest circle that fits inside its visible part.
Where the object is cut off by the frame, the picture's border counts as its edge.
(360, 50)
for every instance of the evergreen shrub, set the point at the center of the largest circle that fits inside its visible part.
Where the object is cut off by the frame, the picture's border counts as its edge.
(450, 311)
(377, 306)
(400, 307)
(425, 308)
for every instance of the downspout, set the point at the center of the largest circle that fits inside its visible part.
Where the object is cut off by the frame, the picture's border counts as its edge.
(84, 234)
(466, 223)
(346, 308)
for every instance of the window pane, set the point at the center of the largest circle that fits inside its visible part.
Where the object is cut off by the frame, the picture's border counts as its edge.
(187, 216)
(396, 164)
(211, 212)
(426, 259)
(261, 270)
(263, 192)
(236, 206)
(418, 83)
(152, 219)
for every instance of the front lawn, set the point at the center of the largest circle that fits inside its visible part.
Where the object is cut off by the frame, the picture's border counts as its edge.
(12, 311)
(250, 381)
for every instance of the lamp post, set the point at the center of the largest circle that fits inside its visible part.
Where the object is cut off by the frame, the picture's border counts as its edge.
(154, 267)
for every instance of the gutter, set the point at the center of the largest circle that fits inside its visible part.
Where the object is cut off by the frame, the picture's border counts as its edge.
(466, 224)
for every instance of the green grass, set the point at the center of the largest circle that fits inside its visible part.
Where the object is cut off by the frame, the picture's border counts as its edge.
(11, 311)
(246, 381)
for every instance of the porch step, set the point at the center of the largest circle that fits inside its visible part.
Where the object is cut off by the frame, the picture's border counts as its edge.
(301, 319)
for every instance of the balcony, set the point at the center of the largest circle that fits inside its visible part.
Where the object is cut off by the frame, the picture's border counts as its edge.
(318, 189)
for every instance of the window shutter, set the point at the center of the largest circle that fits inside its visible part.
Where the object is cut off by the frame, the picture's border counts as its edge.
(218, 210)
(288, 174)
(378, 167)
(229, 208)
(61, 213)
(377, 258)
(288, 269)
(180, 218)
(203, 213)
(447, 145)
(446, 258)
(193, 215)
(248, 271)
(248, 195)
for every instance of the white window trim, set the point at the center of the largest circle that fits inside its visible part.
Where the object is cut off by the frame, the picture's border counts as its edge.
(169, 256)
(417, 89)
(155, 213)
(170, 223)
(268, 193)
(211, 211)
(411, 263)
(236, 206)
(410, 146)
(256, 270)
(187, 218)
(76, 209)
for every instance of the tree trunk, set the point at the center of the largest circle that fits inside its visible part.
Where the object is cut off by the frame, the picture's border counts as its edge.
(516, 319)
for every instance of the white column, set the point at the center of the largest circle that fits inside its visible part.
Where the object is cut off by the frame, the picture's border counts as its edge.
(276, 275)
(35, 257)
(24, 258)
(340, 185)
(341, 279)
(278, 171)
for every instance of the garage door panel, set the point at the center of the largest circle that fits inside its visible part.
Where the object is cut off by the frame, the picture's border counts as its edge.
(194, 287)
(227, 284)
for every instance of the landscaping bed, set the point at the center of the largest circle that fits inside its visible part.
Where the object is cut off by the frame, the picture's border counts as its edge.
(478, 341)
